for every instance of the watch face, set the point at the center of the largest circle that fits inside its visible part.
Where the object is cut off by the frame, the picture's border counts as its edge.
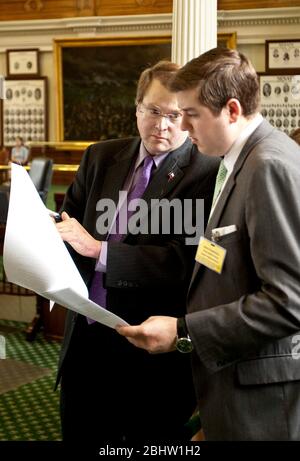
(184, 345)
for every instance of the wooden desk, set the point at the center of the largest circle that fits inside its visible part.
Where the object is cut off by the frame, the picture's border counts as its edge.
(66, 158)
(56, 167)
(63, 173)
(52, 323)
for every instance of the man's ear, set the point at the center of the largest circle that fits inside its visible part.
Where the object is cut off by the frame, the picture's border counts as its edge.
(234, 109)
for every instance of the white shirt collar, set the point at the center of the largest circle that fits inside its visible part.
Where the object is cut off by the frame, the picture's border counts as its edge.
(232, 155)
(143, 153)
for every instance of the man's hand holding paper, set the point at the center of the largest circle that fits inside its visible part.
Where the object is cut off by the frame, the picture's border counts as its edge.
(35, 255)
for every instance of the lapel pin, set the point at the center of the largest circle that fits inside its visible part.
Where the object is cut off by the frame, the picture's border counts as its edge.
(171, 176)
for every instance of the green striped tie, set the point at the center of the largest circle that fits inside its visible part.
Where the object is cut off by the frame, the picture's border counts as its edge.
(222, 172)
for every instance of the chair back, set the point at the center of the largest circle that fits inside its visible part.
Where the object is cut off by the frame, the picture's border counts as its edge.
(41, 175)
(4, 199)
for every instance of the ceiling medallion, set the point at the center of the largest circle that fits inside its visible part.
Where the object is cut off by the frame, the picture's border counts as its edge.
(33, 5)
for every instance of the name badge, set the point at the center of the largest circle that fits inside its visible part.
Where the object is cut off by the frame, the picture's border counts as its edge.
(210, 255)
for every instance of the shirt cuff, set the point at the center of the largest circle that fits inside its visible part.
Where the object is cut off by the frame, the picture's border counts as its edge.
(102, 260)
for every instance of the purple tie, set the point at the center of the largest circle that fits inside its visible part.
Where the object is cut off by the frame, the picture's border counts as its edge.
(97, 290)
(136, 192)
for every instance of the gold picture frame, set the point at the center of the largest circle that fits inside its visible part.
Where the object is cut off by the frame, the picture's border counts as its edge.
(96, 86)
(96, 83)
(227, 40)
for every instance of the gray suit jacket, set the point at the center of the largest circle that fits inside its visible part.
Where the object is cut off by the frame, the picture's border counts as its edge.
(243, 321)
(147, 274)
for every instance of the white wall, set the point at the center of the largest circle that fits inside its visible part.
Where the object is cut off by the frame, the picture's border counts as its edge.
(253, 27)
(256, 54)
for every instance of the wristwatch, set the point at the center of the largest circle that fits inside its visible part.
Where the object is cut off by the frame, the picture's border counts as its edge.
(183, 341)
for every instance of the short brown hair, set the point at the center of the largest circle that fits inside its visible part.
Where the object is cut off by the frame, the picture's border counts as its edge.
(162, 71)
(218, 75)
(295, 135)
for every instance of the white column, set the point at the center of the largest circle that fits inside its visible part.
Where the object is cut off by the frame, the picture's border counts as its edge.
(194, 28)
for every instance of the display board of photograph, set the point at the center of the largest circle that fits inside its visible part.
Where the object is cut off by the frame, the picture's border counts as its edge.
(283, 56)
(23, 63)
(24, 110)
(280, 101)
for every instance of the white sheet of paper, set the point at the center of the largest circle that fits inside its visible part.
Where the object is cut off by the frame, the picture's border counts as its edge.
(35, 257)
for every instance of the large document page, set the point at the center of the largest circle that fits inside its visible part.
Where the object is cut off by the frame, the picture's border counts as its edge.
(35, 256)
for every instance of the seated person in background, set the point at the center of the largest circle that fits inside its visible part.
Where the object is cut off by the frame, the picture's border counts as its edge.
(19, 153)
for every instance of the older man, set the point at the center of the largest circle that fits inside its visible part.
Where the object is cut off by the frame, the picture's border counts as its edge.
(111, 390)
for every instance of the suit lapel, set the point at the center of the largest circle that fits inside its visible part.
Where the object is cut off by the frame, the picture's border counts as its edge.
(167, 177)
(263, 130)
(117, 173)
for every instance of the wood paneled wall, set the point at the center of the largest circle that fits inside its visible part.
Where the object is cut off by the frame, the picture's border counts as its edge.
(45, 9)
(50, 9)
(250, 4)
(110, 8)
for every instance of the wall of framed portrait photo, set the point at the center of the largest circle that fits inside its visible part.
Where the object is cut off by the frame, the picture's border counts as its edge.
(24, 110)
(283, 56)
(280, 100)
(23, 63)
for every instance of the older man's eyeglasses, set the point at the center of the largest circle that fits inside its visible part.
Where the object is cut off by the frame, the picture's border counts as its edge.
(155, 114)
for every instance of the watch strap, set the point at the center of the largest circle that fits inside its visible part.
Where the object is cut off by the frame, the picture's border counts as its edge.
(182, 331)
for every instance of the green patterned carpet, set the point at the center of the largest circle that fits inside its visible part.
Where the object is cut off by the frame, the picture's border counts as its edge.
(29, 408)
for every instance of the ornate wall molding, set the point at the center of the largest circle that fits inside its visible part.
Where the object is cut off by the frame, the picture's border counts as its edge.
(250, 26)
(40, 33)
(261, 17)
(256, 26)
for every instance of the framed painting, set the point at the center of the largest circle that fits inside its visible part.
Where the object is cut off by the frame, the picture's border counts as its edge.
(96, 81)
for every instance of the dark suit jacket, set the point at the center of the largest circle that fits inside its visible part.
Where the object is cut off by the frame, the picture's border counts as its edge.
(146, 274)
(243, 321)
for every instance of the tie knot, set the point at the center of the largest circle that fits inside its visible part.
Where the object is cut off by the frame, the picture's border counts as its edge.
(222, 171)
(148, 163)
